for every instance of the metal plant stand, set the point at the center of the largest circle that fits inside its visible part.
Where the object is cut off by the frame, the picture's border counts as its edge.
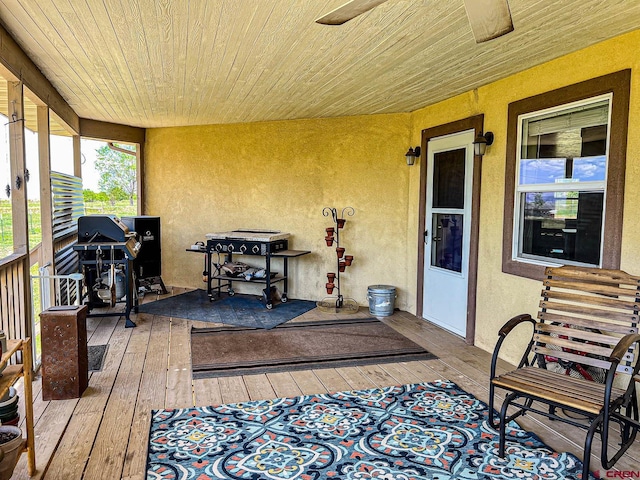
(337, 303)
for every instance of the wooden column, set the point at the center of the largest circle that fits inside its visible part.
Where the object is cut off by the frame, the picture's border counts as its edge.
(17, 161)
(77, 157)
(46, 200)
(140, 177)
(19, 200)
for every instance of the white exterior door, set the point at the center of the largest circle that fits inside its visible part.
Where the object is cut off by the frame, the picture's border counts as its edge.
(448, 230)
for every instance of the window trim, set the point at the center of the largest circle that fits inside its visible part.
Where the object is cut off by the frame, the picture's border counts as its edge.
(618, 84)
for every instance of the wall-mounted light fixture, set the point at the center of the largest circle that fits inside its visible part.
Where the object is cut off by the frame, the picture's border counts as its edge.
(412, 154)
(481, 143)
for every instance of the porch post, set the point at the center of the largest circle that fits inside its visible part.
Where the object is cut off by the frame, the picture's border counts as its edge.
(19, 202)
(77, 157)
(46, 206)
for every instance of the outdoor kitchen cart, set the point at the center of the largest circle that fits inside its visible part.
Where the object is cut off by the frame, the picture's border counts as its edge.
(268, 244)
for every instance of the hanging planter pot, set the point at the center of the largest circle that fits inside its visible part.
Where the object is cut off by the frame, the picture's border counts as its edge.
(10, 448)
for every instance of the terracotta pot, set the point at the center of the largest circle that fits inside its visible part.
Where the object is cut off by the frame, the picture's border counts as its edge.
(340, 251)
(331, 277)
(342, 266)
(340, 222)
(329, 241)
(348, 259)
(330, 287)
(11, 450)
(330, 231)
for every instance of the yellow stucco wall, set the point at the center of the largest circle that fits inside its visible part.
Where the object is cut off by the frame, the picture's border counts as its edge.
(280, 175)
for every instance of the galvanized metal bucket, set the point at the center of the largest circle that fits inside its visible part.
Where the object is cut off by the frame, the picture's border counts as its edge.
(381, 300)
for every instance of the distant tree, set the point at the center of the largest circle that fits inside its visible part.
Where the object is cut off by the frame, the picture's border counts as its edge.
(117, 193)
(117, 173)
(89, 195)
(538, 204)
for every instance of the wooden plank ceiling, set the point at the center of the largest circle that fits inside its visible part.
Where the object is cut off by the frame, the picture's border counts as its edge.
(153, 63)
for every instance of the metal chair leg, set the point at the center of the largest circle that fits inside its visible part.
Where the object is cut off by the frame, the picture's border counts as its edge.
(503, 426)
(586, 454)
(492, 391)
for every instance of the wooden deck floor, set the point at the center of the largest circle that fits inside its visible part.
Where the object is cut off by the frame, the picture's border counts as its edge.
(103, 435)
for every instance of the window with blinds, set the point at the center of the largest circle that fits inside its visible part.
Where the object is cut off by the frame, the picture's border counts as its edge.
(561, 183)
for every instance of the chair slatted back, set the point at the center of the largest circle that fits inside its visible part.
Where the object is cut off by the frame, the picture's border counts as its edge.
(583, 314)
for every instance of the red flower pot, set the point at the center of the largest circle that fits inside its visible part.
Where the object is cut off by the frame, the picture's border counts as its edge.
(331, 277)
(342, 266)
(340, 222)
(348, 259)
(330, 287)
(329, 241)
(340, 251)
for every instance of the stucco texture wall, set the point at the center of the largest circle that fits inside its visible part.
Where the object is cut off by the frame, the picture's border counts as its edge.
(279, 176)
(501, 296)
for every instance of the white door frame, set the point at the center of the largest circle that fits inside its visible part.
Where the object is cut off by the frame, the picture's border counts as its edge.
(446, 288)
(476, 123)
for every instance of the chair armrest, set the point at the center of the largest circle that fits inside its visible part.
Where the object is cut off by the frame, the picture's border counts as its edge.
(514, 322)
(503, 332)
(623, 345)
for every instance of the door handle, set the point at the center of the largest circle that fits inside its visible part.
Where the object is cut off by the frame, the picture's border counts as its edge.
(426, 235)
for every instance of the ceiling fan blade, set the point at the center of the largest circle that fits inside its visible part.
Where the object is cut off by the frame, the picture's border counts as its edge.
(489, 19)
(348, 11)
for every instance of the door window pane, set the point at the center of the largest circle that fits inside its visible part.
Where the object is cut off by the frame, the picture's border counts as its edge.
(446, 251)
(448, 179)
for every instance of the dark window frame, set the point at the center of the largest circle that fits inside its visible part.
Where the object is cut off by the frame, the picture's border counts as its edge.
(618, 84)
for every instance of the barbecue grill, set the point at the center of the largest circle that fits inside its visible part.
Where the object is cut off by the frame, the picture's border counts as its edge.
(106, 250)
(266, 243)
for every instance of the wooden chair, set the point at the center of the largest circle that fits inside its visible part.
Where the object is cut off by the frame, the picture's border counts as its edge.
(587, 324)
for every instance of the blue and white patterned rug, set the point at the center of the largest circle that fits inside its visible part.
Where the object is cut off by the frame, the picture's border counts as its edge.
(420, 431)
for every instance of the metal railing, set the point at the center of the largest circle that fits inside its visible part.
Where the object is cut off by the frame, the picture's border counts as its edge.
(54, 290)
(66, 288)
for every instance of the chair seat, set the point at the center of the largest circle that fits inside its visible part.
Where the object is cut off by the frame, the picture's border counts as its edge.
(557, 388)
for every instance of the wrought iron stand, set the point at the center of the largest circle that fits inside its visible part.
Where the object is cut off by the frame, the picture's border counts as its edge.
(338, 303)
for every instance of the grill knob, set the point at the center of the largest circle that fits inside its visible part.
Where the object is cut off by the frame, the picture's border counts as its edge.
(230, 247)
(218, 247)
(255, 249)
(243, 248)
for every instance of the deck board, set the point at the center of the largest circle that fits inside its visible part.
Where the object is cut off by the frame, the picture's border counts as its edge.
(206, 392)
(149, 367)
(284, 385)
(179, 383)
(258, 387)
(108, 454)
(307, 382)
(233, 390)
(151, 396)
(71, 456)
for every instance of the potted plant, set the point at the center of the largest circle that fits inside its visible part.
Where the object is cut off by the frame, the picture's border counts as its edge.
(10, 448)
